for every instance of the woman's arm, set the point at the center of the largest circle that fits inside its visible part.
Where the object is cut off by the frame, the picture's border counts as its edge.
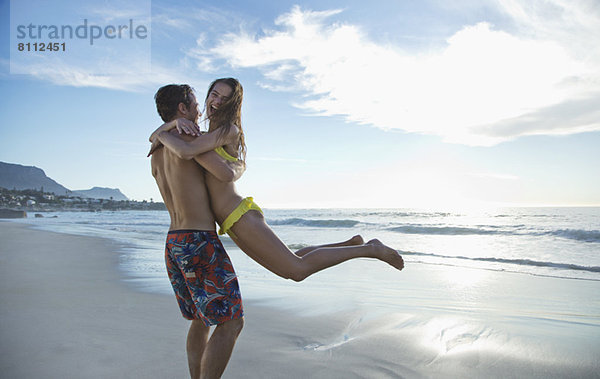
(183, 125)
(219, 167)
(188, 149)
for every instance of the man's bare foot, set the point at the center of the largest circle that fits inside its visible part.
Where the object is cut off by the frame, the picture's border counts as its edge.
(387, 254)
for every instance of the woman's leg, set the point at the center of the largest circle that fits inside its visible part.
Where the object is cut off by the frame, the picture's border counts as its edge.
(354, 241)
(257, 240)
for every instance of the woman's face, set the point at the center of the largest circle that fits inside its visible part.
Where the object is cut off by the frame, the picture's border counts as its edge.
(219, 94)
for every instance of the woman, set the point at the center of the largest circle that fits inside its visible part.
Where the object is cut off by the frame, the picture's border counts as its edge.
(240, 217)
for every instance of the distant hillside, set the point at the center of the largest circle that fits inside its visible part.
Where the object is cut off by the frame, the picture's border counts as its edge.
(101, 193)
(15, 176)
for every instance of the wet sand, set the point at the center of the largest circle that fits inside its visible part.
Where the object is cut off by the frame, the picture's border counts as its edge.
(67, 312)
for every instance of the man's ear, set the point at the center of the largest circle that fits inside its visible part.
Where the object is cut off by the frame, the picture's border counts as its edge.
(182, 108)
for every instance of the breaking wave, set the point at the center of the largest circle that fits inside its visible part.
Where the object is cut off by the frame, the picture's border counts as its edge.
(521, 262)
(573, 234)
(315, 223)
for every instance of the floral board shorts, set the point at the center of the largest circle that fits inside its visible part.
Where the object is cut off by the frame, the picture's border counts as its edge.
(202, 276)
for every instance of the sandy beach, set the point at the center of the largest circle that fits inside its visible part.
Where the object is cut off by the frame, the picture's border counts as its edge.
(67, 312)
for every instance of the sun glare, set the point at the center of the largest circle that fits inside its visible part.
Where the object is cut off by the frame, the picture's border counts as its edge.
(462, 277)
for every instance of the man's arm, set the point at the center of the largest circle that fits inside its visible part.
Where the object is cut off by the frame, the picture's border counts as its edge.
(219, 167)
(238, 168)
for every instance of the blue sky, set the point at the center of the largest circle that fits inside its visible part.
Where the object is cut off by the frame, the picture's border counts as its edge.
(347, 103)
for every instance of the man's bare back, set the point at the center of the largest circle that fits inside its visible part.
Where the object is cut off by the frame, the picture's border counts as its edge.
(182, 186)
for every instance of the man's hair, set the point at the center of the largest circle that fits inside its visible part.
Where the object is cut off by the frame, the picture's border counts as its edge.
(168, 98)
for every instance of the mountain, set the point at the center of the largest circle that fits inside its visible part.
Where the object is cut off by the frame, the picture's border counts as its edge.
(15, 176)
(101, 193)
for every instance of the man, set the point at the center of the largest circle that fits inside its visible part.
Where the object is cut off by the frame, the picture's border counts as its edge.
(199, 269)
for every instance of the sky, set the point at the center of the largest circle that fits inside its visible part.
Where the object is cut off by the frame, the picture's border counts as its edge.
(387, 104)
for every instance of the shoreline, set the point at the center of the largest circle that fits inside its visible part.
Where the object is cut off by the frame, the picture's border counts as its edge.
(67, 303)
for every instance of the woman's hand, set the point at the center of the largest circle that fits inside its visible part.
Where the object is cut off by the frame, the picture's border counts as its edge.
(238, 169)
(155, 145)
(186, 126)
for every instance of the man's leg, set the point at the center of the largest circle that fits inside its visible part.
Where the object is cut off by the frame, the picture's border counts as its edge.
(196, 344)
(219, 348)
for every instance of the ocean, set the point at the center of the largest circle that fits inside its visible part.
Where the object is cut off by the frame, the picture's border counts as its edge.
(551, 242)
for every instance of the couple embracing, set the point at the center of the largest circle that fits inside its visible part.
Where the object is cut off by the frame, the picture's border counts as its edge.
(196, 174)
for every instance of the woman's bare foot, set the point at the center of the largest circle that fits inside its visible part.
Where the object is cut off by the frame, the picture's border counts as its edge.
(387, 254)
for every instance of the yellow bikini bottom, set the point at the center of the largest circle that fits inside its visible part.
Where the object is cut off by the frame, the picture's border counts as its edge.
(246, 205)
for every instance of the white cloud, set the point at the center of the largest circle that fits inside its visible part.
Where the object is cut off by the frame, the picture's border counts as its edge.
(484, 87)
(187, 19)
(170, 22)
(126, 11)
(133, 80)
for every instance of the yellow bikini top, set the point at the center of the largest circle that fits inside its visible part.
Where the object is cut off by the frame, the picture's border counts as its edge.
(219, 150)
